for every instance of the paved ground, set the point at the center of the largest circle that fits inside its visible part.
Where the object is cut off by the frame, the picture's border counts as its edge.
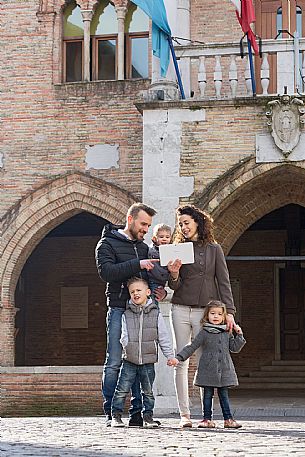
(88, 437)
(273, 425)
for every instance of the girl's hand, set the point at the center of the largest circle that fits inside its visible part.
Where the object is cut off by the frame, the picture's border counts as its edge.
(238, 329)
(174, 267)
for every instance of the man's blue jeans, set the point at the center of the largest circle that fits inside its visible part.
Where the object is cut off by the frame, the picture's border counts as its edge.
(113, 362)
(223, 396)
(128, 374)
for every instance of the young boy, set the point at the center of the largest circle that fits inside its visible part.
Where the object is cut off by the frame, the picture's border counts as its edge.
(143, 327)
(158, 276)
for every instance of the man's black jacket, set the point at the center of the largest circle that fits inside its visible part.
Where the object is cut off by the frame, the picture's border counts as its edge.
(117, 260)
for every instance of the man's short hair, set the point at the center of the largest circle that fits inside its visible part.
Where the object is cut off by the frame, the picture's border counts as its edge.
(136, 279)
(137, 207)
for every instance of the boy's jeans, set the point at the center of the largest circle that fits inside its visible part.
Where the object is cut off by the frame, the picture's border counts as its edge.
(223, 396)
(128, 374)
(113, 364)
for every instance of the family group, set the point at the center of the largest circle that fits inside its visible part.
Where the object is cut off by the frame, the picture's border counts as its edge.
(202, 317)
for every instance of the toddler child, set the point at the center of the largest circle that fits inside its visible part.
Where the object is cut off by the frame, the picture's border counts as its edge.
(158, 276)
(215, 369)
(143, 328)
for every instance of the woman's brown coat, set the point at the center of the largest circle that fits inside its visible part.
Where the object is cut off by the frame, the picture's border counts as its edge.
(204, 280)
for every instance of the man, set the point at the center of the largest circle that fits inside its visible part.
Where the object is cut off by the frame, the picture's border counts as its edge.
(121, 254)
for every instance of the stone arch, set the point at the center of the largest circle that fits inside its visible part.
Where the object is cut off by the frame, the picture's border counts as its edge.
(247, 193)
(28, 222)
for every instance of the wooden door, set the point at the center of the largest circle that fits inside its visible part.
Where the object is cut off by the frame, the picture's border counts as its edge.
(272, 15)
(292, 313)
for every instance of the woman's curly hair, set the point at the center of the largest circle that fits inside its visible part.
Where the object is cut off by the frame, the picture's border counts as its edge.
(204, 221)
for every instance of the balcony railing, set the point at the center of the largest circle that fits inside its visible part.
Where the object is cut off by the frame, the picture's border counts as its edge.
(218, 71)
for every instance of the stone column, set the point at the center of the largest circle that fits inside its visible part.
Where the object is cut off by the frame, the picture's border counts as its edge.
(87, 16)
(164, 388)
(164, 88)
(121, 12)
(183, 30)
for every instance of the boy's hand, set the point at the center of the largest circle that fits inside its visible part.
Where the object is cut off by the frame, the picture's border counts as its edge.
(172, 362)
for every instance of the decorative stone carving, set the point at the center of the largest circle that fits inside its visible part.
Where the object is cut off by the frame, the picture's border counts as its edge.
(285, 120)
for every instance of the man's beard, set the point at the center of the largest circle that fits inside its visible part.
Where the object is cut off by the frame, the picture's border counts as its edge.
(134, 233)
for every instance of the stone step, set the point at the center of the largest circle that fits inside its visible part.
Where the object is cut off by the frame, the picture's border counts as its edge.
(269, 385)
(284, 368)
(276, 374)
(266, 380)
(288, 362)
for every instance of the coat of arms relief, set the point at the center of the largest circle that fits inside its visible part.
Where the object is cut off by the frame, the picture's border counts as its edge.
(285, 122)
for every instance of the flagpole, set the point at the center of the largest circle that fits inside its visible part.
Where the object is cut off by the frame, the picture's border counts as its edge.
(171, 47)
(251, 66)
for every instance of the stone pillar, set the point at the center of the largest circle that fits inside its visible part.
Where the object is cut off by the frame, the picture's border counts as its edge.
(121, 13)
(164, 88)
(183, 30)
(7, 336)
(87, 16)
(164, 388)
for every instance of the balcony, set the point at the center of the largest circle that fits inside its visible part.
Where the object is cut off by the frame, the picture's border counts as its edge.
(218, 71)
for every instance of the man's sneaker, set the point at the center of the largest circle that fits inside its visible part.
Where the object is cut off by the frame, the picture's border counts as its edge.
(150, 423)
(108, 419)
(136, 420)
(117, 421)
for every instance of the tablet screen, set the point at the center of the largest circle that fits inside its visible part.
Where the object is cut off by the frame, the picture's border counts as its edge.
(171, 252)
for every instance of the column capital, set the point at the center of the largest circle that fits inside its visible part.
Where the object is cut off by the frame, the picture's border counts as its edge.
(121, 11)
(87, 15)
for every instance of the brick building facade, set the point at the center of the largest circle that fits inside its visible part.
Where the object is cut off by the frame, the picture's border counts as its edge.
(76, 154)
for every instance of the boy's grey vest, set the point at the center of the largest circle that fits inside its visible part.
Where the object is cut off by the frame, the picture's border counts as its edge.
(142, 328)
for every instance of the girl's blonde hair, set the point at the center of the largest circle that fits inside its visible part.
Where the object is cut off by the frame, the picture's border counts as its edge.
(209, 306)
(159, 227)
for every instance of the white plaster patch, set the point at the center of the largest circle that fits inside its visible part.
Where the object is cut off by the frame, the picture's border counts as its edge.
(162, 184)
(267, 151)
(1, 160)
(102, 156)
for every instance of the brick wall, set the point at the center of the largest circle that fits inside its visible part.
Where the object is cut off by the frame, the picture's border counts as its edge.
(55, 263)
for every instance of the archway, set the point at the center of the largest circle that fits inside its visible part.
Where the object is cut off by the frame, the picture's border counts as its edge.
(242, 202)
(34, 217)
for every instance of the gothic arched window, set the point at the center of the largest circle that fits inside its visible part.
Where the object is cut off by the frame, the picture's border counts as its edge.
(73, 31)
(103, 31)
(136, 43)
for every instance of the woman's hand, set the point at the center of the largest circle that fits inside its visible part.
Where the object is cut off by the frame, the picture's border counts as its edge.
(230, 322)
(174, 267)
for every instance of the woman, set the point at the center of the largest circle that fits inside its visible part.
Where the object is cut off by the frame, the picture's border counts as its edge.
(194, 286)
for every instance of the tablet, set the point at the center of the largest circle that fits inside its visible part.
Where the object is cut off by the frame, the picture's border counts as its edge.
(181, 251)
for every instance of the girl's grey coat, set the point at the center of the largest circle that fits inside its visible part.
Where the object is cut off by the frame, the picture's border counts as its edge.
(215, 367)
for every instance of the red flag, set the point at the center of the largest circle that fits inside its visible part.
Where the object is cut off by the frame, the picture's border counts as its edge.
(246, 16)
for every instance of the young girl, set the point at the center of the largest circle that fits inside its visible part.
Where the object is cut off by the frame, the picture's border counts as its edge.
(215, 369)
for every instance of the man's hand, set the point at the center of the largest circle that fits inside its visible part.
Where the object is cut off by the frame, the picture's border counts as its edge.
(148, 264)
(230, 322)
(160, 293)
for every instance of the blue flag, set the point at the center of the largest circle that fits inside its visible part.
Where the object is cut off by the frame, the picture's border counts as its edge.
(155, 9)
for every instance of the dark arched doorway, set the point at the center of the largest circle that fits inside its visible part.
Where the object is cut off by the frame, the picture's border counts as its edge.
(61, 299)
(271, 292)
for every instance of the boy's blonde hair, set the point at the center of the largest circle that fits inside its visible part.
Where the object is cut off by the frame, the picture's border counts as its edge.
(213, 304)
(159, 227)
(136, 279)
